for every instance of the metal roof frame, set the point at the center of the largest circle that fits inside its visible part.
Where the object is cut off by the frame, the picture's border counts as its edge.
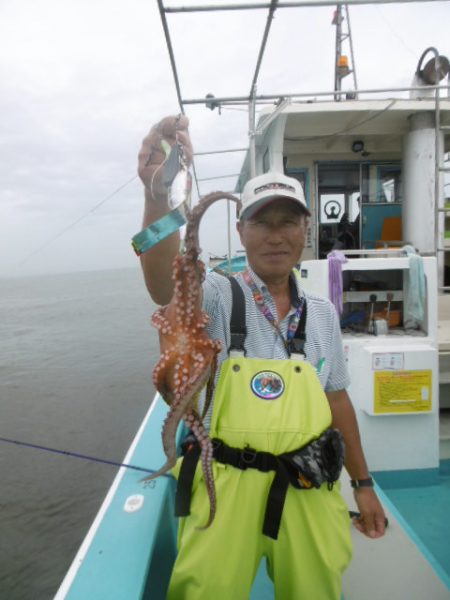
(271, 6)
(252, 99)
(292, 4)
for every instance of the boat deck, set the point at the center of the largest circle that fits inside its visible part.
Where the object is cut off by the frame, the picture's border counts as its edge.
(444, 350)
(412, 560)
(444, 434)
(130, 548)
(425, 508)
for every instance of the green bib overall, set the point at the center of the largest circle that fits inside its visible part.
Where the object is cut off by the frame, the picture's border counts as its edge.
(274, 406)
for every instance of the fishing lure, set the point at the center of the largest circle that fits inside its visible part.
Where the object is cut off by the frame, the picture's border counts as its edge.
(177, 178)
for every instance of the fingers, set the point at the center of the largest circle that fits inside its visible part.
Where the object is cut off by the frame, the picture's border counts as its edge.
(168, 126)
(371, 525)
(185, 141)
(155, 148)
(152, 151)
(177, 128)
(371, 520)
(359, 524)
(380, 525)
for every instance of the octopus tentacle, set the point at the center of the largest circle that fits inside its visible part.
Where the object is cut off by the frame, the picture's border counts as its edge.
(179, 407)
(194, 422)
(209, 388)
(188, 359)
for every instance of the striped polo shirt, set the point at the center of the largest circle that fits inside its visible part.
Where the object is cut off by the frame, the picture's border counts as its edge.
(323, 346)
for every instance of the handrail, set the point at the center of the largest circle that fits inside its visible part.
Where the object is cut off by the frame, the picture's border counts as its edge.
(374, 252)
(273, 97)
(296, 4)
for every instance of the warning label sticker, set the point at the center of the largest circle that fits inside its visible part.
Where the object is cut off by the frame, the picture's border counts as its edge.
(402, 391)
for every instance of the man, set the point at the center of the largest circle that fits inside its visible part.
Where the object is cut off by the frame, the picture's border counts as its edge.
(307, 540)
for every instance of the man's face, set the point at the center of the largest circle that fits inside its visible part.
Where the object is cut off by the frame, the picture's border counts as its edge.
(274, 238)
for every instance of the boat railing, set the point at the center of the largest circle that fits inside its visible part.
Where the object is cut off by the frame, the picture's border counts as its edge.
(375, 252)
(325, 95)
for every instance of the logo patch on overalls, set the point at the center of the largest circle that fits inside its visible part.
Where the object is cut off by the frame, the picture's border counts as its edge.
(267, 385)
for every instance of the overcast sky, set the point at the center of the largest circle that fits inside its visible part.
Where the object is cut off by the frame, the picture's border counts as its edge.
(83, 80)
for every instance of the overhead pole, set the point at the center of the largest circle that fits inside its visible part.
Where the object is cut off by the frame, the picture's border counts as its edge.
(337, 21)
(270, 98)
(352, 54)
(251, 133)
(341, 65)
(162, 12)
(252, 95)
(299, 4)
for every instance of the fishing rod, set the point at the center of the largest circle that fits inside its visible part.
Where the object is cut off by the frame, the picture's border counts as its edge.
(81, 456)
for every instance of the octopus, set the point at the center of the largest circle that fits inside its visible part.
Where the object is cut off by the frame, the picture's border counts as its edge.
(188, 360)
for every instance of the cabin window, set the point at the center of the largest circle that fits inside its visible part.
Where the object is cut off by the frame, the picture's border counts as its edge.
(382, 183)
(382, 205)
(339, 186)
(359, 205)
(389, 183)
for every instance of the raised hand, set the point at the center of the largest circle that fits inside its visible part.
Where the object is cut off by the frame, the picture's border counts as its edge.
(155, 150)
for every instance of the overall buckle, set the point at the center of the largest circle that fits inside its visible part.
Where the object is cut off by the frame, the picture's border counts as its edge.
(247, 457)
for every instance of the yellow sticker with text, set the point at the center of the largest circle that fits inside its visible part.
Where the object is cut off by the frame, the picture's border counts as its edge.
(402, 391)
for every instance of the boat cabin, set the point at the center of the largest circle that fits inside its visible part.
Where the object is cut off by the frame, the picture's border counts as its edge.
(368, 169)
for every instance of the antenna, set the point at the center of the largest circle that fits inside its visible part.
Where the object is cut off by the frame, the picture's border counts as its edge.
(341, 66)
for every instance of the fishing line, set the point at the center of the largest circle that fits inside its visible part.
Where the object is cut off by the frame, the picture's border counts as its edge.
(395, 33)
(104, 461)
(90, 211)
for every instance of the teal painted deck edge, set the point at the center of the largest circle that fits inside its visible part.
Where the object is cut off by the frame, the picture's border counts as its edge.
(406, 478)
(413, 536)
(120, 557)
(444, 468)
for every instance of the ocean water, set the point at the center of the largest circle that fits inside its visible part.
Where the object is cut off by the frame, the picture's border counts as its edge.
(76, 356)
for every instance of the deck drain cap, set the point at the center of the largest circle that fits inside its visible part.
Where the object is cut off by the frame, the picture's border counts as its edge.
(133, 503)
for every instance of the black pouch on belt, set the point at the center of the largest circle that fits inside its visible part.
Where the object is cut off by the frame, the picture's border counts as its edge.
(319, 462)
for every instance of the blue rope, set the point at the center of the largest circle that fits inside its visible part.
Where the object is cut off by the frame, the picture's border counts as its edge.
(82, 456)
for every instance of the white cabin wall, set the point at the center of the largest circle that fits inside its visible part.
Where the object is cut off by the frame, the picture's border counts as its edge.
(306, 162)
(270, 157)
(270, 147)
(419, 183)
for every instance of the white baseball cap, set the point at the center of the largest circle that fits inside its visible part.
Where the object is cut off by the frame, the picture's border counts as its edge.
(263, 189)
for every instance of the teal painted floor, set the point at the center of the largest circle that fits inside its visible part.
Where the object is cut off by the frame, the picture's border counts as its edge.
(426, 508)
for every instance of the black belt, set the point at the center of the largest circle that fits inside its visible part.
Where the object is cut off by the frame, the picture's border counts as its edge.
(291, 467)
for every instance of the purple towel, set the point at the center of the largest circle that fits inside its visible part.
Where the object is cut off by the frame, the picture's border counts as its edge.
(335, 261)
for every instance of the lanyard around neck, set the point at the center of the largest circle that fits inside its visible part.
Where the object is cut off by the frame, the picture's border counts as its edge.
(265, 310)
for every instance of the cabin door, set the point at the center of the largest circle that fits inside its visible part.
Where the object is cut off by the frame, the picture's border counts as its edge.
(339, 207)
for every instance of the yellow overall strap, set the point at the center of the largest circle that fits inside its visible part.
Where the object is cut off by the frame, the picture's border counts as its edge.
(295, 344)
(247, 458)
(243, 459)
(185, 480)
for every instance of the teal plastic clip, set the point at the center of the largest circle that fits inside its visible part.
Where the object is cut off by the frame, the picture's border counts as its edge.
(158, 231)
